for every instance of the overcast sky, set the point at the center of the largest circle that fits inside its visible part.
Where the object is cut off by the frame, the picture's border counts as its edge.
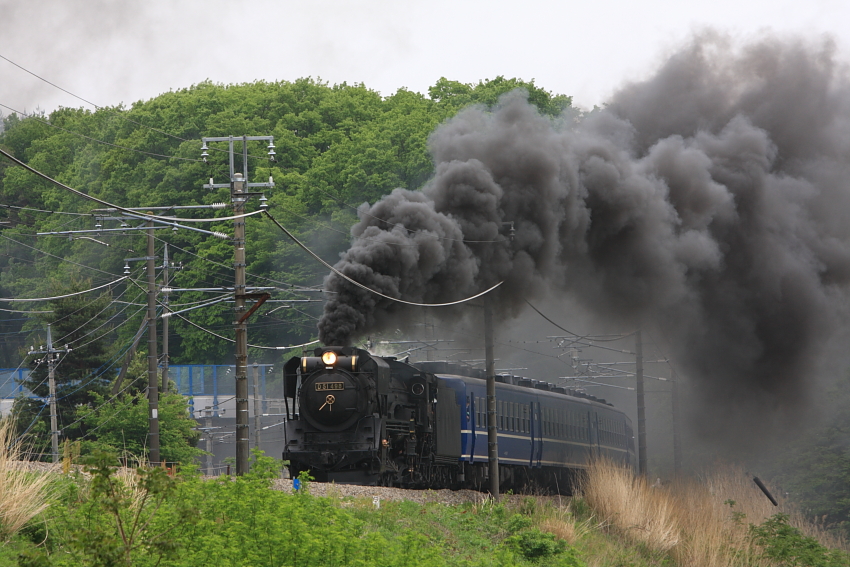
(111, 52)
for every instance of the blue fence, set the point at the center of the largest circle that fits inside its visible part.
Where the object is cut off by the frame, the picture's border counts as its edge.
(219, 381)
(216, 380)
(10, 379)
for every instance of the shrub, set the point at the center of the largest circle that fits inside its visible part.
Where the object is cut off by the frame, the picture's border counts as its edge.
(783, 542)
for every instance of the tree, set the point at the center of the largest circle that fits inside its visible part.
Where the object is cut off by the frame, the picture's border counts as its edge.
(119, 424)
(337, 146)
(815, 468)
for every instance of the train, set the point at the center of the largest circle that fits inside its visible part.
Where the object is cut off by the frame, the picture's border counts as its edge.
(357, 418)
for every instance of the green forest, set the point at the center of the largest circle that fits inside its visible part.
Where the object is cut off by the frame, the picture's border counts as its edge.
(336, 147)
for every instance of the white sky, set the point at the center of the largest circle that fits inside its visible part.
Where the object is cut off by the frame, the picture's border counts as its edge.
(111, 51)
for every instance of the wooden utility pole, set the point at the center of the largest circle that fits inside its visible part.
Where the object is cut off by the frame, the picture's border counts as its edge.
(239, 195)
(241, 326)
(165, 319)
(153, 359)
(641, 405)
(492, 433)
(258, 411)
(52, 354)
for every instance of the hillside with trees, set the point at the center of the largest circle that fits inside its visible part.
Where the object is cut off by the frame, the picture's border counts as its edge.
(337, 146)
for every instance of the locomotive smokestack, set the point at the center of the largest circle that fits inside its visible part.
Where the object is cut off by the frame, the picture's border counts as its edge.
(709, 202)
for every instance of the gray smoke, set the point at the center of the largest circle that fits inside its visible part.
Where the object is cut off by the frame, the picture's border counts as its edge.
(709, 202)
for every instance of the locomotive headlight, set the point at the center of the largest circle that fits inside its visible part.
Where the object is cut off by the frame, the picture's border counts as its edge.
(329, 358)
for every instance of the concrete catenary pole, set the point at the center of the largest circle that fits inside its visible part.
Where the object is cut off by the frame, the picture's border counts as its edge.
(153, 359)
(258, 412)
(492, 434)
(165, 320)
(641, 404)
(242, 443)
(677, 445)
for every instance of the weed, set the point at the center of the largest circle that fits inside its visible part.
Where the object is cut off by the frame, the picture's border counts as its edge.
(783, 542)
(23, 494)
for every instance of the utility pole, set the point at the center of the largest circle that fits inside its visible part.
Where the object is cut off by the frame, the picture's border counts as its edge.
(492, 434)
(208, 424)
(238, 197)
(641, 405)
(677, 446)
(145, 214)
(52, 354)
(258, 412)
(165, 320)
(153, 360)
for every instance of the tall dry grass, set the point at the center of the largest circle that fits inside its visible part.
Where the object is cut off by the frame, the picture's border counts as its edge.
(23, 493)
(631, 506)
(700, 522)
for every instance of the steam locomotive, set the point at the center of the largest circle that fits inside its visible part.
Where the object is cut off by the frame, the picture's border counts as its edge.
(359, 418)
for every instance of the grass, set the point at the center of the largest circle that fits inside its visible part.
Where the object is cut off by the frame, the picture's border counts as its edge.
(23, 494)
(618, 521)
(700, 522)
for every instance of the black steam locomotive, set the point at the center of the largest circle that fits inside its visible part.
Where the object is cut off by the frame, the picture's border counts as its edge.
(358, 418)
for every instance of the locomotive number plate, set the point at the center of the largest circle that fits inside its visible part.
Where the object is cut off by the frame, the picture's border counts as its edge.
(325, 386)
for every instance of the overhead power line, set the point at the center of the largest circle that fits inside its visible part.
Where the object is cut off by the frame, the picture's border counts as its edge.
(12, 299)
(360, 285)
(55, 256)
(290, 347)
(89, 138)
(116, 113)
(44, 211)
(126, 211)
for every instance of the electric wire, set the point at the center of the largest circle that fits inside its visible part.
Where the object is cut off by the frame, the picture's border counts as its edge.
(367, 238)
(266, 278)
(98, 372)
(126, 211)
(11, 374)
(251, 346)
(578, 336)
(44, 211)
(116, 113)
(508, 344)
(110, 144)
(12, 299)
(118, 326)
(130, 383)
(360, 285)
(173, 313)
(53, 255)
(96, 315)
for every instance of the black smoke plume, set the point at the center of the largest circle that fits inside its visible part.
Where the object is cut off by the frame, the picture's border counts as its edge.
(711, 202)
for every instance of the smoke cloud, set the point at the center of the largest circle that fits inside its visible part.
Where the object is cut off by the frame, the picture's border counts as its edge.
(709, 202)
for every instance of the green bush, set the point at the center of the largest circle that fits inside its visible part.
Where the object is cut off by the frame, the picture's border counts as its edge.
(785, 543)
(147, 518)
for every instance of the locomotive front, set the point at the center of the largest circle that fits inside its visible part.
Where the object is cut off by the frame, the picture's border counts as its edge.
(333, 395)
(359, 418)
(334, 429)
